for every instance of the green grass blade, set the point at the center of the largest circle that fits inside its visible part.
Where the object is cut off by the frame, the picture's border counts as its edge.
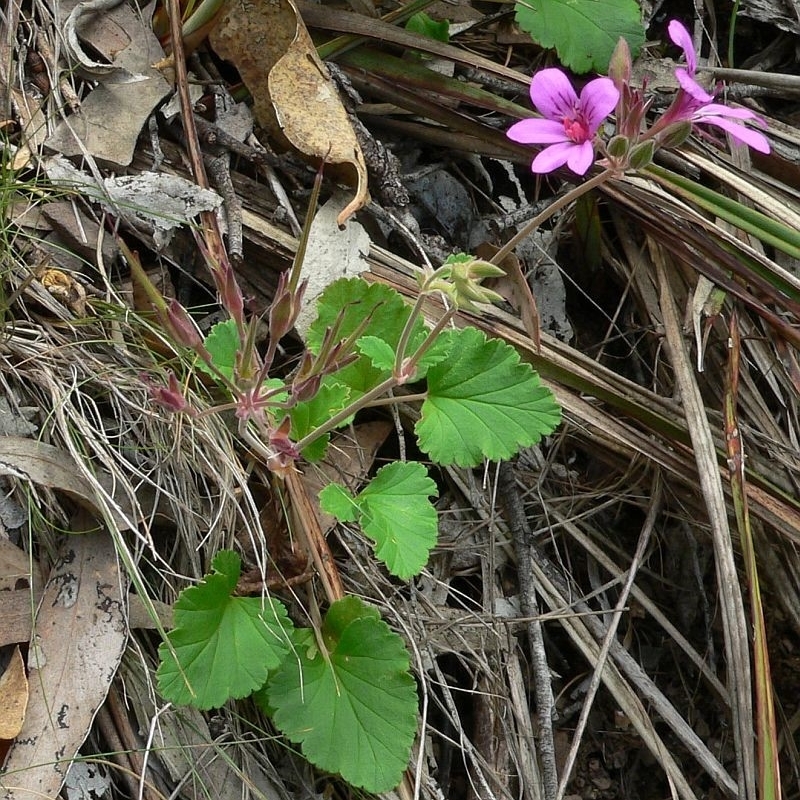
(759, 225)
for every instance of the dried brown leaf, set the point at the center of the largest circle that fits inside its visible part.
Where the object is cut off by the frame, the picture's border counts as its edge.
(15, 565)
(79, 637)
(13, 696)
(114, 113)
(294, 96)
(43, 464)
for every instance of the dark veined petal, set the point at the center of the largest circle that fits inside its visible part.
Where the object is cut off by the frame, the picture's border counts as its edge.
(553, 95)
(598, 99)
(537, 131)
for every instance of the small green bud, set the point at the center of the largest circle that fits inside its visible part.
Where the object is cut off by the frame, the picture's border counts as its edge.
(480, 269)
(459, 278)
(618, 146)
(642, 154)
(675, 135)
(457, 258)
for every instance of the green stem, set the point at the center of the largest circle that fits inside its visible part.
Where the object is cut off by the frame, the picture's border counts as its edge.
(300, 254)
(530, 227)
(406, 398)
(430, 339)
(406, 334)
(731, 32)
(337, 419)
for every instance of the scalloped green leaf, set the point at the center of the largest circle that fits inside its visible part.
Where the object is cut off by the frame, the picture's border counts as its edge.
(483, 403)
(584, 33)
(225, 646)
(427, 26)
(354, 712)
(380, 353)
(310, 414)
(222, 343)
(438, 351)
(350, 301)
(395, 512)
(339, 501)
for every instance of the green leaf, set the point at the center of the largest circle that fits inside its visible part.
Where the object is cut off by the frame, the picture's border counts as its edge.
(483, 403)
(337, 500)
(380, 353)
(583, 32)
(222, 343)
(341, 614)
(354, 712)
(225, 646)
(350, 301)
(310, 414)
(396, 513)
(438, 351)
(433, 29)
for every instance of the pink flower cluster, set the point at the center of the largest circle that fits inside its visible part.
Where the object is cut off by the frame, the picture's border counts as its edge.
(571, 122)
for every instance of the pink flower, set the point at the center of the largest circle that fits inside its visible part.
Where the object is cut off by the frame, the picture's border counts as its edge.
(694, 104)
(570, 123)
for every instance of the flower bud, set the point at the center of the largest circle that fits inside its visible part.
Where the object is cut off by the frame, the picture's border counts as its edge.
(306, 388)
(675, 135)
(480, 269)
(230, 294)
(283, 311)
(181, 326)
(619, 67)
(169, 396)
(465, 278)
(642, 154)
(618, 146)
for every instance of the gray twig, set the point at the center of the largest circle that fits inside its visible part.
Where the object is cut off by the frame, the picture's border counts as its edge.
(545, 704)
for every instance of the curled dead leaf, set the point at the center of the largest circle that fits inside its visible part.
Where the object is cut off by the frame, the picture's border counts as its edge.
(294, 96)
(13, 696)
(65, 289)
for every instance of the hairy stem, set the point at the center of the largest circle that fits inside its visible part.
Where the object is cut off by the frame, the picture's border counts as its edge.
(556, 206)
(337, 419)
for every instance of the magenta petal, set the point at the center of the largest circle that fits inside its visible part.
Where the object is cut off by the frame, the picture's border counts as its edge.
(552, 157)
(692, 87)
(581, 158)
(598, 99)
(680, 36)
(720, 110)
(537, 131)
(739, 132)
(553, 95)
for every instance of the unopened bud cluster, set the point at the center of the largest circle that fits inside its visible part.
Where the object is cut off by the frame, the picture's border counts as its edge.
(459, 279)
